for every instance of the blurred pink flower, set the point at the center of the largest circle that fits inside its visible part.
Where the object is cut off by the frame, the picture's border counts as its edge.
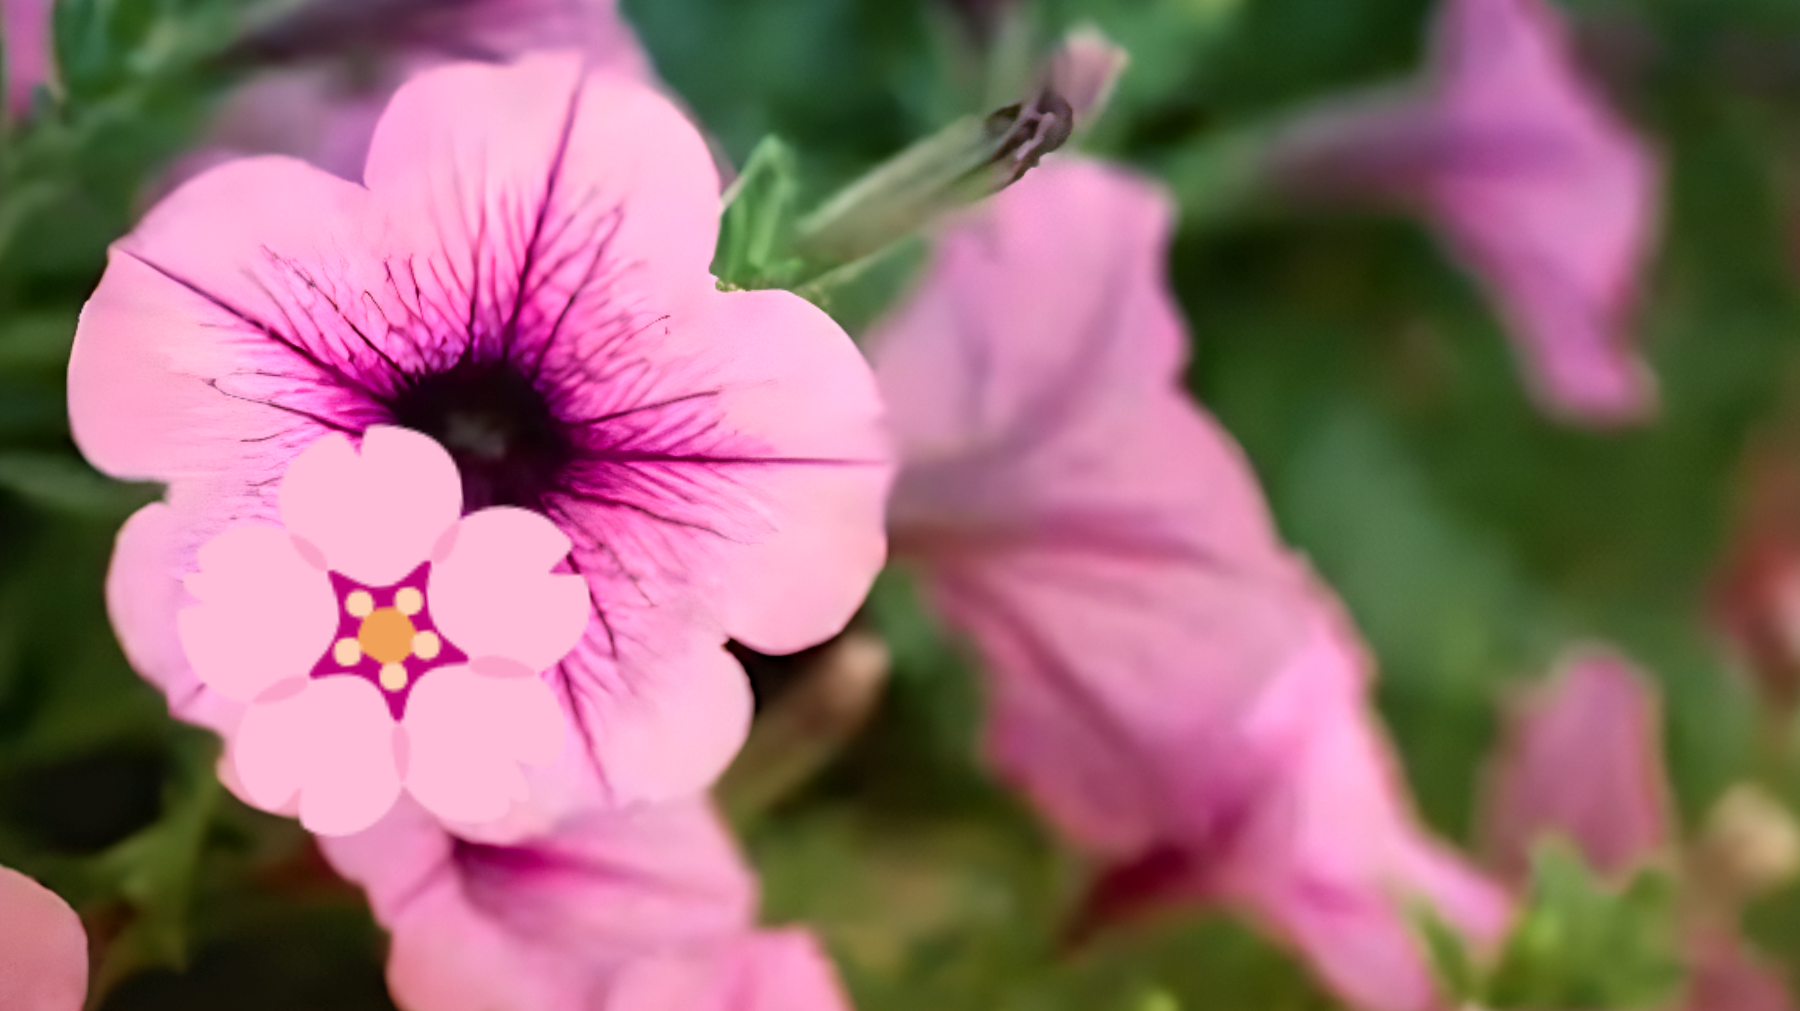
(43, 950)
(340, 61)
(526, 282)
(646, 909)
(1530, 179)
(25, 29)
(1168, 684)
(380, 642)
(1581, 759)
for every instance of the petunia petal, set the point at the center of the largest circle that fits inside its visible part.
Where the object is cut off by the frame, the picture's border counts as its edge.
(43, 950)
(494, 595)
(265, 614)
(602, 176)
(1335, 856)
(144, 595)
(467, 734)
(375, 514)
(772, 970)
(660, 726)
(1581, 759)
(808, 468)
(331, 744)
(231, 318)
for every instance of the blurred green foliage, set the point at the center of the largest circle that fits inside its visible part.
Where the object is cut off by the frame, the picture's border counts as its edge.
(1372, 388)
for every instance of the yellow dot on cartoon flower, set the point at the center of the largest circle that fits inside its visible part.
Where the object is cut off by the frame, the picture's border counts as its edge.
(426, 645)
(409, 601)
(347, 652)
(386, 635)
(393, 676)
(359, 603)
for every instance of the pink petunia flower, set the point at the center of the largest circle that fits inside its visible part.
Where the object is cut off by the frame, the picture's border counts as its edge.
(1528, 177)
(25, 29)
(647, 909)
(1167, 682)
(340, 62)
(380, 642)
(524, 279)
(1581, 759)
(43, 950)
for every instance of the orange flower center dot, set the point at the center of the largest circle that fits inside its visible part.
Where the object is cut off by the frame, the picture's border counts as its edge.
(386, 635)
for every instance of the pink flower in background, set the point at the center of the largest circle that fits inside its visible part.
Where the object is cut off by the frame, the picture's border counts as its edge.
(524, 280)
(1168, 684)
(340, 61)
(1581, 759)
(25, 29)
(43, 950)
(1530, 179)
(646, 909)
(380, 642)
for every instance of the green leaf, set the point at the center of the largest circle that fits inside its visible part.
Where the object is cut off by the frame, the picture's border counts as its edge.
(1582, 944)
(756, 235)
(36, 341)
(62, 484)
(154, 872)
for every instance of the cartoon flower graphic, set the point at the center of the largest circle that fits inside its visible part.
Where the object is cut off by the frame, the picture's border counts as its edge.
(523, 278)
(379, 641)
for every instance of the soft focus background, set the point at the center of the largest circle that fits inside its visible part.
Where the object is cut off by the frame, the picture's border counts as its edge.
(1369, 382)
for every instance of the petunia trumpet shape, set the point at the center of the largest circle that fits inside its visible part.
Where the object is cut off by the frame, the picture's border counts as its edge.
(1168, 683)
(1581, 759)
(381, 642)
(647, 909)
(43, 950)
(1529, 179)
(25, 31)
(339, 62)
(524, 279)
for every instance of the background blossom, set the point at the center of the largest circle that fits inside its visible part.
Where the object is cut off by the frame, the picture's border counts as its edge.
(1533, 182)
(1169, 686)
(639, 910)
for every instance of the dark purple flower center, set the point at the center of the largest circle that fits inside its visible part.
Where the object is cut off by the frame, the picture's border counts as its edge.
(509, 446)
(386, 636)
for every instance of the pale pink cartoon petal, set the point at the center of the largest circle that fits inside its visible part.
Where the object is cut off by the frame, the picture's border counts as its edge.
(265, 613)
(1582, 759)
(467, 734)
(43, 949)
(329, 746)
(144, 595)
(494, 594)
(375, 513)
